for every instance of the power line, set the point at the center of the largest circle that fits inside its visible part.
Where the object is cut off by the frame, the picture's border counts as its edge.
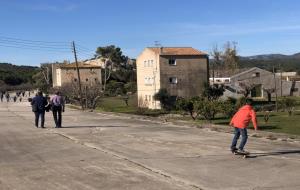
(33, 48)
(33, 41)
(34, 44)
(83, 47)
(86, 54)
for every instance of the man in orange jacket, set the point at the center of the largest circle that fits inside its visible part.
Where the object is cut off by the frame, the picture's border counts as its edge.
(240, 122)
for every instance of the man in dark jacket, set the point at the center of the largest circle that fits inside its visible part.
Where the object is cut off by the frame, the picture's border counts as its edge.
(38, 107)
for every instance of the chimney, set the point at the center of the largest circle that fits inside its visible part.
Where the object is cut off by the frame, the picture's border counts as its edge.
(161, 50)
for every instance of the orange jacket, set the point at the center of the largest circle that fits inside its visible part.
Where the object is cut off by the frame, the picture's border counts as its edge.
(241, 119)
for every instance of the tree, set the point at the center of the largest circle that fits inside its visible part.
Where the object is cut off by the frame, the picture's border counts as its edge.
(230, 56)
(43, 79)
(197, 106)
(113, 54)
(208, 108)
(164, 98)
(225, 61)
(229, 107)
(187, 105)
(216, 59)
(213, 92)
(288, 104)
(113, 58)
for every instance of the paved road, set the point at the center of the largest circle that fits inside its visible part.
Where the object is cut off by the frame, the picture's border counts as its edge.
(102, 151)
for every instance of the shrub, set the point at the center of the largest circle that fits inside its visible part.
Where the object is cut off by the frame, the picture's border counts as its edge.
(167, 102)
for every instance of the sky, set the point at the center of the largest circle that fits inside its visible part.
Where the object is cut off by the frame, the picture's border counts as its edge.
(40, 31)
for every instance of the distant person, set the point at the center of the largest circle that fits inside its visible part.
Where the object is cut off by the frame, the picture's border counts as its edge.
(240, 122)
(15, 98)
(39, 103)
(20, 99)
(7, 96)
(1, 96)
(58, 106)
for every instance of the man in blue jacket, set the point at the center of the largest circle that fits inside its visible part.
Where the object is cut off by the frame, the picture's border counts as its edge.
(39, 103)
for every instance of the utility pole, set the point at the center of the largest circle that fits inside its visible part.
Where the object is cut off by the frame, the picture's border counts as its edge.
(78, 75)
(276, 102)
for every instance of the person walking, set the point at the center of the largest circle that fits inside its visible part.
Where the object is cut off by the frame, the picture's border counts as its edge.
(38, 107)
(58, 106)
(1, 96)
(240, 122)
(7, 96)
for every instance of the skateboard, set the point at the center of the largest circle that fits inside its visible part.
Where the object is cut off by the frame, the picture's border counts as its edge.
(244, 155)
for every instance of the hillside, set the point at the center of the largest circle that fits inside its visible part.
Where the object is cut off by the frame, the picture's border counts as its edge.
(268, 61)
(15, 75)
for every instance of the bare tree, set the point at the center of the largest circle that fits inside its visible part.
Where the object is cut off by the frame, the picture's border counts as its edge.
(217, 59)
(230, 57)
(225, 60)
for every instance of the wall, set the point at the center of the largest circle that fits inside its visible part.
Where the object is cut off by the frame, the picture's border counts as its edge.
(88, 76)
(191, 73)
(147, 89)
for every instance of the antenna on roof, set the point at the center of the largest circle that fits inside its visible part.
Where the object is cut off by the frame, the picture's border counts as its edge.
(157, 44)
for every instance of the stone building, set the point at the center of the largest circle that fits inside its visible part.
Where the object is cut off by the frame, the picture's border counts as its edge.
(66, 73)
(261, 83)
(181, 70)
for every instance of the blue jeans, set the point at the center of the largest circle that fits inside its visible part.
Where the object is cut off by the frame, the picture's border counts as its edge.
(39, 114)
(237, 133)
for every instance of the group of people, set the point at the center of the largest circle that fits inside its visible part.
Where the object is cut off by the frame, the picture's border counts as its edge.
(17, 97)
(41, 104)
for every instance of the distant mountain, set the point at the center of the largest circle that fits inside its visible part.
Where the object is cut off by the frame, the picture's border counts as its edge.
(268, 61)
(272, 56)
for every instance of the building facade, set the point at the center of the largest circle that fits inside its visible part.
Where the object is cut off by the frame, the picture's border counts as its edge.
(182, 71)
(63, 74)
(261, 83)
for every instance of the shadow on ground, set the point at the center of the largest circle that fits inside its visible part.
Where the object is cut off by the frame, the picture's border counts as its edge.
(108, 126)
(276, 153)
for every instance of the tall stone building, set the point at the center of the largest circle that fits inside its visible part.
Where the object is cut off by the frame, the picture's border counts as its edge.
(181, 70)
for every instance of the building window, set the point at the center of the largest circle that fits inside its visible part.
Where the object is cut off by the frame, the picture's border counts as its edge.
(148, 63)
(145, 63)
(146, 98)
(86, 80)
(148, 80)
(295, 89)
(172, 62)
(75, 80)
(257, 74)
(173, 80)
(152, 63)
(96, 79)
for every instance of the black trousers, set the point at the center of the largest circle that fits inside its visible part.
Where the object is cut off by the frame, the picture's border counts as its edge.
(56, 110)
(39, 114)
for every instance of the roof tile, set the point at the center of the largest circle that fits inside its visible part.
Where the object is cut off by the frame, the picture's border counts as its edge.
(176, 51)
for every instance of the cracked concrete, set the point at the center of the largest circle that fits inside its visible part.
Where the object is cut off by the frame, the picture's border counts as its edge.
(106, 151)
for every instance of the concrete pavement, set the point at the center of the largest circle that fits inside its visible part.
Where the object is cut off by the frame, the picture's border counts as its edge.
(104, 151)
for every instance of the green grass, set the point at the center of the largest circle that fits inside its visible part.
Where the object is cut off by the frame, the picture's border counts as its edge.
(117, 104)
(279, 122)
